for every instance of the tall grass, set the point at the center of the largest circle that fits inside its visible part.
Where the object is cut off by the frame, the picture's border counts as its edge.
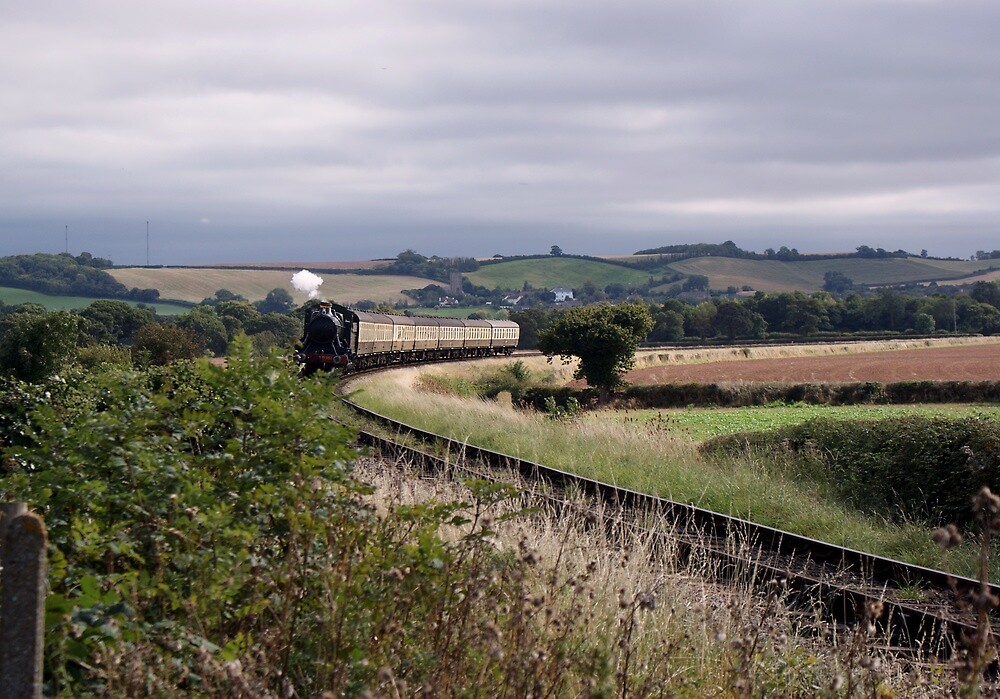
(656, 461)
(599, 619)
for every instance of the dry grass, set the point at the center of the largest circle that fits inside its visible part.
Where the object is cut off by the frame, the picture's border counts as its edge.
(663, 628)
(197, 283)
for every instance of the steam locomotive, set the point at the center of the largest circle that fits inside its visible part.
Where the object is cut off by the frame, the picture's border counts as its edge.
(336, 336)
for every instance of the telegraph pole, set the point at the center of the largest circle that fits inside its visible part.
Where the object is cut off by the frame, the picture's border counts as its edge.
(147, 243)
(67, 238)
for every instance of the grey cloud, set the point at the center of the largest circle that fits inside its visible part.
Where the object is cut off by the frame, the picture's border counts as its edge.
(478, 127)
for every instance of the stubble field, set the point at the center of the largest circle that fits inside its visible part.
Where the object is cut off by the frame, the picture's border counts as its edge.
(194, 284)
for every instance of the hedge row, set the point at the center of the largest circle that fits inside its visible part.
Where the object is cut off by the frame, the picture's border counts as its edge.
(910, 468)
(679, 395)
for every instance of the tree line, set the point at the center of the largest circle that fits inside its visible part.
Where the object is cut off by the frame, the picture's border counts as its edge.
(35, 342)
(65, 275)
(797, 314)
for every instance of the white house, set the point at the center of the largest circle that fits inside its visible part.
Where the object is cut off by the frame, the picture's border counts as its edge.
(561, 294)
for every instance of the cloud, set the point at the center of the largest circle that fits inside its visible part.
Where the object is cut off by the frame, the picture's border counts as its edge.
(359, 129)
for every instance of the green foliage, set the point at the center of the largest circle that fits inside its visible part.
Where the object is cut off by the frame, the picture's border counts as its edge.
(182, 492)
(414, 264)
(926, 468)
(736, 320)
(96, 355)
(115, 321)
(569, 410)
(531, 321)
(33, 345)
(603, 337)
(208, 538)
(679, 395)
(207, 328)
(837, 282)
(278, 300)
(161, 343)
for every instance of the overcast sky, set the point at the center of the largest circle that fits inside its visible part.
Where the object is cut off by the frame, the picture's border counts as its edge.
(338, 130)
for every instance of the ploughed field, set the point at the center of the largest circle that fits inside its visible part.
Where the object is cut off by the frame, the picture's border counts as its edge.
(962, 363)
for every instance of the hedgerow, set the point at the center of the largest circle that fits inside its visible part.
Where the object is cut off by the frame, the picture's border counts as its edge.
(926, 468)
(679, 395)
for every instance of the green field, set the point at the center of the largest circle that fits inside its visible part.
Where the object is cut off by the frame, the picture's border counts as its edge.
(700, 424)
(14, 297)
(807, 275)
(723, 272)
(550, 272)
(197, 283)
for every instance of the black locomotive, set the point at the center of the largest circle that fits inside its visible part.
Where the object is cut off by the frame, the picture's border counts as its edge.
(322, 345)
(335, 336)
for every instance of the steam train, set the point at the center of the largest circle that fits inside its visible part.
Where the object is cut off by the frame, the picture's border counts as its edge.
(335, 336)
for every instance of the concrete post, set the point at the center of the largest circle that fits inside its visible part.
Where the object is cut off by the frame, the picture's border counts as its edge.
(22, 603)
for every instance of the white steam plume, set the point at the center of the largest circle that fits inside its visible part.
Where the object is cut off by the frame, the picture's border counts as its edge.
(308, 282)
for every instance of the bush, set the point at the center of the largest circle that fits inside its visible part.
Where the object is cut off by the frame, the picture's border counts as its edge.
(96, 355)
(680, 395)
(908, 468)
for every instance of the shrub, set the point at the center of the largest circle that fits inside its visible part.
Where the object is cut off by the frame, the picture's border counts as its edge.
(96, 355)
(927, 468)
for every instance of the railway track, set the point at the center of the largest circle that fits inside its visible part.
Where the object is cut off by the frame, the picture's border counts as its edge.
(912, 607)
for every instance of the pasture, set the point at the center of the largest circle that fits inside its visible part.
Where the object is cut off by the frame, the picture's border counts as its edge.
(197, 283)
(807, 275)
(725, 272)
(550, 272)
(14, 297)
(700, 424)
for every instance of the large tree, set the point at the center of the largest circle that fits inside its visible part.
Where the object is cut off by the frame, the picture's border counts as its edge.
(733, 320)
(34, 345)
(603, 337)
(115, 321)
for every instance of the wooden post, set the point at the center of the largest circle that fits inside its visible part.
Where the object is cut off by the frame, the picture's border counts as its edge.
(8, 511)
(22, 601)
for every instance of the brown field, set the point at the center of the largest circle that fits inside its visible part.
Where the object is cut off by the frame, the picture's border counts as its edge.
(194, 284)
(974, 362)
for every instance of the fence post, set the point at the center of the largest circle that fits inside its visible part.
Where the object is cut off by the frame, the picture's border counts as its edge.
(22, 601)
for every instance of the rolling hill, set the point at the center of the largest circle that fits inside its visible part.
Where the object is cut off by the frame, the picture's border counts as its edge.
(197, 283)
(807, 275)
(549, 272)
(724, 272)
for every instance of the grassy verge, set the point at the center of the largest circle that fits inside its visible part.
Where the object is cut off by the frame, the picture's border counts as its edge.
(657, 461)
